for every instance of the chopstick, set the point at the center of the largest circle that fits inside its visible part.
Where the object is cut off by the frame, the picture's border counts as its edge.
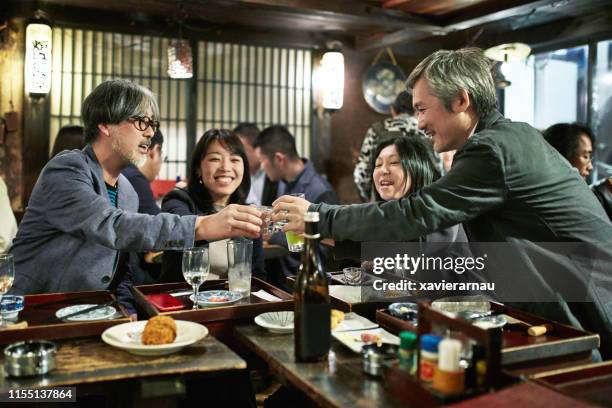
(80, 312)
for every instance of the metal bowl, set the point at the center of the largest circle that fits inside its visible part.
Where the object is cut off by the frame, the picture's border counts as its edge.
(29, 358)
(375, 357)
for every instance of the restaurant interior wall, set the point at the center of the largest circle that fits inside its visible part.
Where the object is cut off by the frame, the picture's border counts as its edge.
(552, 86)
(232, 83)
(12, 57)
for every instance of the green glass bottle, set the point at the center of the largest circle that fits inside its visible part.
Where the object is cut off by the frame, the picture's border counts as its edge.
(312, 326)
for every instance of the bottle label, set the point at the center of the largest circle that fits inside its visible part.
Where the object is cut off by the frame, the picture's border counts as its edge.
(312, 331)
(427, 370)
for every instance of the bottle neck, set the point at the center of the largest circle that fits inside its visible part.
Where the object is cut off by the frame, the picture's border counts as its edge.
(311, 230)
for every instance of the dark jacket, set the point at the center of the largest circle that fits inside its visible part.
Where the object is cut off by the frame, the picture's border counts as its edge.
(603, 192)
(178, 201)
(506, 185)
(146, 201)
(71, 234)
(141, 272)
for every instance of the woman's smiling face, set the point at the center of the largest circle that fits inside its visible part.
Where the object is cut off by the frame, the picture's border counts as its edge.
(390, 179)
(221, 172)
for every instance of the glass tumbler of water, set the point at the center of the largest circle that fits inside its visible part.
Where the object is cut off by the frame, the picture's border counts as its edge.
(7, 274)
(196, 266)
(239, 257)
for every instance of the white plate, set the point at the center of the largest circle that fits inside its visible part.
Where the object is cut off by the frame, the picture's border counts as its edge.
(276, 322)
(352, 339)
(352, 321)
(127, 336)
(206, 298)
(98, 314)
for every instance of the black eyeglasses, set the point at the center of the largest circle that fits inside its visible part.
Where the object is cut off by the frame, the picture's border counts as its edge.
(142, 123)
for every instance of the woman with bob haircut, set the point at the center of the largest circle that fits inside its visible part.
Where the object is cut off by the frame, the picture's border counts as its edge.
(218, 176)
(403, 165)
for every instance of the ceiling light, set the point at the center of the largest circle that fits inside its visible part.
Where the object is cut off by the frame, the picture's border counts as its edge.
(508, 52)
(180, 63)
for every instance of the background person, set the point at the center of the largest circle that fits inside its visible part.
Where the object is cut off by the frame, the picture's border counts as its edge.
(145, 270)
(69, 137)
(275, 147)
(142, 176)
(8, 226)
(403, 165)
(263, 190)
(575, 142)
(218, 176)
(401, 122)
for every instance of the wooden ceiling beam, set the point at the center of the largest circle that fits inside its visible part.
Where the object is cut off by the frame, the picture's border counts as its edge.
(544, 10)
(340, 10)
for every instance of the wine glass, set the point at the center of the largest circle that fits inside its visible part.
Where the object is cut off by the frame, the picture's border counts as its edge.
(7, 274)
(196, 266)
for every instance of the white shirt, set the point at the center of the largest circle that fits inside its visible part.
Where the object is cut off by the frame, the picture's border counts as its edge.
(257, 185)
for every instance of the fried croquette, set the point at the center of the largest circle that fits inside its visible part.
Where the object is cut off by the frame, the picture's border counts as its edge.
(159, 330)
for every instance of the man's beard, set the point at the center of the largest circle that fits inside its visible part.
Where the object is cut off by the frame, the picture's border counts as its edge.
(130, 157)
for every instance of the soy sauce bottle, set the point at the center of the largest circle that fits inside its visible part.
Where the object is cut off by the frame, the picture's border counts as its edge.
(312, 324)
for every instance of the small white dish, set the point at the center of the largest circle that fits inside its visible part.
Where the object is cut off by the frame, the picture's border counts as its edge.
(276, 322)
(352, 339)
(97, 314)
(127, 336)
(217, 297)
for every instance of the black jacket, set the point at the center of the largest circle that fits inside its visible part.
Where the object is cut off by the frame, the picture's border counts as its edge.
(178, 201)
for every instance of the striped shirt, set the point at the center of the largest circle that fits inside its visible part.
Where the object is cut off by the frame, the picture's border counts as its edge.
(112, 193)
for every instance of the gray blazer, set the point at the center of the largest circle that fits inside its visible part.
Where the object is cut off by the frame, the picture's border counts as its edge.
(71, 235)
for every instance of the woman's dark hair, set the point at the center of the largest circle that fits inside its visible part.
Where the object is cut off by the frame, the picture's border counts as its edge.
(564, 137)
(231, 142)
(69, 137)
(417, 158)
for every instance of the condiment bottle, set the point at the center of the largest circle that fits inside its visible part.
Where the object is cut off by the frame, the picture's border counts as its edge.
(449, 378)
(429, 356)
(407, 351)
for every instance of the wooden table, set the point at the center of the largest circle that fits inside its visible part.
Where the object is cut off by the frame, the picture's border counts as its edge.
(339, 382)
(96, 368)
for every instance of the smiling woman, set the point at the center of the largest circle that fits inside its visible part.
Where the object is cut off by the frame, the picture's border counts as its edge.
(218, 177)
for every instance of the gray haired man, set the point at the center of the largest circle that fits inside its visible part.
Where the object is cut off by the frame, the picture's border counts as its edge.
(82, 211)
(506, 184)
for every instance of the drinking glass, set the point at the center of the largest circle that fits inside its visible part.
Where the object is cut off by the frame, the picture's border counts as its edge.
(268, 224)
(353, 275)
(295, 242)
(7, 274)
(239, 257)
(196, 266)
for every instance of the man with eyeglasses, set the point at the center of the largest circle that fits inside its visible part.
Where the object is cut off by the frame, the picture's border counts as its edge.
(83, 211)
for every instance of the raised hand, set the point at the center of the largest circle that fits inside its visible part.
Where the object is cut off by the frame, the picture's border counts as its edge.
(233, 221)
(292, 209)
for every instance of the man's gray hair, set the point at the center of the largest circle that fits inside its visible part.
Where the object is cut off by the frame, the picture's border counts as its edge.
(114, 101)
(447, 72)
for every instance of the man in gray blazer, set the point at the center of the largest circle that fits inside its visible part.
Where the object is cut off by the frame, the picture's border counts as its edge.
(82, 211)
